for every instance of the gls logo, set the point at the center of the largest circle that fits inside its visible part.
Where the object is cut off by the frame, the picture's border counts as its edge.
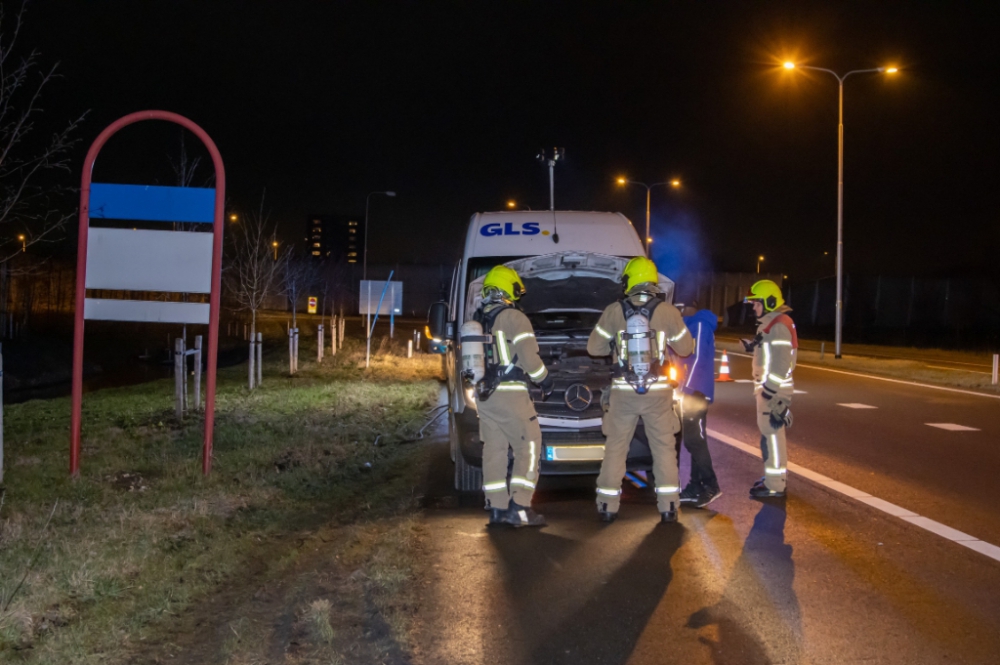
(507, 229)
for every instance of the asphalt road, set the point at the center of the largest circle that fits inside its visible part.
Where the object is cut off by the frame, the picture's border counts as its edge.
(816, 578)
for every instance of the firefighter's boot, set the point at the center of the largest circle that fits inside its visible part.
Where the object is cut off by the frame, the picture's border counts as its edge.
(498, 517)
(518, 515)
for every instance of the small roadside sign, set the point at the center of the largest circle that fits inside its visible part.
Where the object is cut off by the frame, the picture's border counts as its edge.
(312, 304)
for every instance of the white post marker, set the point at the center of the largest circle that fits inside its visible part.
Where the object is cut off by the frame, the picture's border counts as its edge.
(197, 373)
(996, 368)
(409, 349)
(1, 414)
(250, 367)
(260, 358)
(296, 349)
(319, 343)
(291, 352)
(178, 378)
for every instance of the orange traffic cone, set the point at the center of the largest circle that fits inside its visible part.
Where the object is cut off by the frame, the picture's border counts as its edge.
(724, 369)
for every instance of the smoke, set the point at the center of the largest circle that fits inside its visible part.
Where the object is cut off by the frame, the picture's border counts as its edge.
(678, 245)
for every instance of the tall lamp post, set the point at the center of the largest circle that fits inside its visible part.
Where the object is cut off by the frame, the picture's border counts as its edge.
(760, 259)
(672, 183)
(839, 320)
(364, 260)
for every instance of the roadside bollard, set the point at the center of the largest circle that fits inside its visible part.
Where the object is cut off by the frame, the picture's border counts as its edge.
(822, 350)
(409, 349)
(996, 368)
(179, 378)
(319, 343)
(197, 373)
(260, 357)
(296, 331)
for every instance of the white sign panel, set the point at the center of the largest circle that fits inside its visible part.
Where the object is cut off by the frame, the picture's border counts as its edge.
(141, 260)
(145, 311)
(371, 291)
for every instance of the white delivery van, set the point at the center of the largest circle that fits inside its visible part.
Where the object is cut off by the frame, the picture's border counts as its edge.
(571, 263)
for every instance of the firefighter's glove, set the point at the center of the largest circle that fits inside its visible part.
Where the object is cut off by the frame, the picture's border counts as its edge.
(548, 386)
(748, 345)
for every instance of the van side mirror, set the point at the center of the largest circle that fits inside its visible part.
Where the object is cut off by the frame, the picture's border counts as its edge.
(437, 322)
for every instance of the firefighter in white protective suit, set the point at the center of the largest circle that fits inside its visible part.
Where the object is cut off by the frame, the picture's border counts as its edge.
(637, 331)
(774, 349)
(507, 417)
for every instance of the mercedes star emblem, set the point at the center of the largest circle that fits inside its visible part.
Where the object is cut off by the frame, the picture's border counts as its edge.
(578, 397)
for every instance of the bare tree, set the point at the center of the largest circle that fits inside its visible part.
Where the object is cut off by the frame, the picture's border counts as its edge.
(299, 273)
(30, 210)
(252, 273)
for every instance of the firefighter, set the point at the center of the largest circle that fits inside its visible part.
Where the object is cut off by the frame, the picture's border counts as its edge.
(507, 417)
(636, 331)
(774, 349)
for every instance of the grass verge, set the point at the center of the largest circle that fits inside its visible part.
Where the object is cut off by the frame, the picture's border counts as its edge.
(141, 538)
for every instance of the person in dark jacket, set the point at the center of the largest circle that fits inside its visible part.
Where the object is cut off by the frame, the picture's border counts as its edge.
(695, 394)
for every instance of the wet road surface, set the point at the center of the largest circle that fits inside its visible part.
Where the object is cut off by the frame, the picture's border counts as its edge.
(816, 578)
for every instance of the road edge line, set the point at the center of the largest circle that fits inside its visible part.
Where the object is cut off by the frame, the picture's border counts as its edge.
(937, 528)
(885, 378)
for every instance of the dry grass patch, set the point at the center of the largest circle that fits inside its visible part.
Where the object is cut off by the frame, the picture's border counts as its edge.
(141, 535)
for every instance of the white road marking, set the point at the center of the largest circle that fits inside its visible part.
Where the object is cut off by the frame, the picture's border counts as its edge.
(952, 427)
(799, 392)
(855, 405)
(958, 369)
(885, 378)
(743, 380)
(925, 523)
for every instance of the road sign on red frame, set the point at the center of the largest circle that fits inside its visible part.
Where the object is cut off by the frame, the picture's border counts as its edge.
(155, 204)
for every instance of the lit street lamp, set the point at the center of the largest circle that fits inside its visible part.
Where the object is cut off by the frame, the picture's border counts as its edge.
(233, 217)
(24, 242)
(275, 245)
(364, 260)
(672, 183)
(839, 320)
(760, 259)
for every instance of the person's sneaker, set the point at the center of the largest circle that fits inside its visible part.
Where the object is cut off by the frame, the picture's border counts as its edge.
(760, 491)
(670, 515)
(518, 515)
(607, 517)
(691, 493)
(706, 496)
(498, 517)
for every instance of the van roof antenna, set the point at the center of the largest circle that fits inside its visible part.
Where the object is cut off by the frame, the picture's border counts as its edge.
(557, 154)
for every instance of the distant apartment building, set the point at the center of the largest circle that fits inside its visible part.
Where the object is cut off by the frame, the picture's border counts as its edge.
(336, 237)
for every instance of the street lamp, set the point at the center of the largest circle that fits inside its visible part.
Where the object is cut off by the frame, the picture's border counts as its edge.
(511, 204)
(275, 245)
(24, 242)
(671, 183)
(233, 217)
(364, 260)
(839, 320)
(760, 259)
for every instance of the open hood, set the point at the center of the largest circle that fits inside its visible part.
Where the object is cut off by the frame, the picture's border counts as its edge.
(571, 281)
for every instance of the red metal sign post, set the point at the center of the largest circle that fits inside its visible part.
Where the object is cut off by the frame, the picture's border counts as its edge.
(215, 293)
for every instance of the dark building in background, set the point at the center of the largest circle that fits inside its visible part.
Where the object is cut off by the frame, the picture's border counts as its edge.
(336, 237)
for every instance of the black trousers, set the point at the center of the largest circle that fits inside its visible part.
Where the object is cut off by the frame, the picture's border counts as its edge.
(692, 411)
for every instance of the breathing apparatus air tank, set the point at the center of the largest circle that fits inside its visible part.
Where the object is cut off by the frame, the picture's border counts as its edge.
(639, 348)
(473, 351)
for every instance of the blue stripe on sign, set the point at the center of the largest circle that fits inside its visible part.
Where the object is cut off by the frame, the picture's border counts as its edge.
(152, 203)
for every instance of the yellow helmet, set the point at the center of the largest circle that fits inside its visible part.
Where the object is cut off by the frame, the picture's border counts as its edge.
(768, 293)
(506, 280)
(639, 270)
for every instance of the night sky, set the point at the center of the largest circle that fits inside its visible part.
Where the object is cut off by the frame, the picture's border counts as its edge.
(448, 102)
